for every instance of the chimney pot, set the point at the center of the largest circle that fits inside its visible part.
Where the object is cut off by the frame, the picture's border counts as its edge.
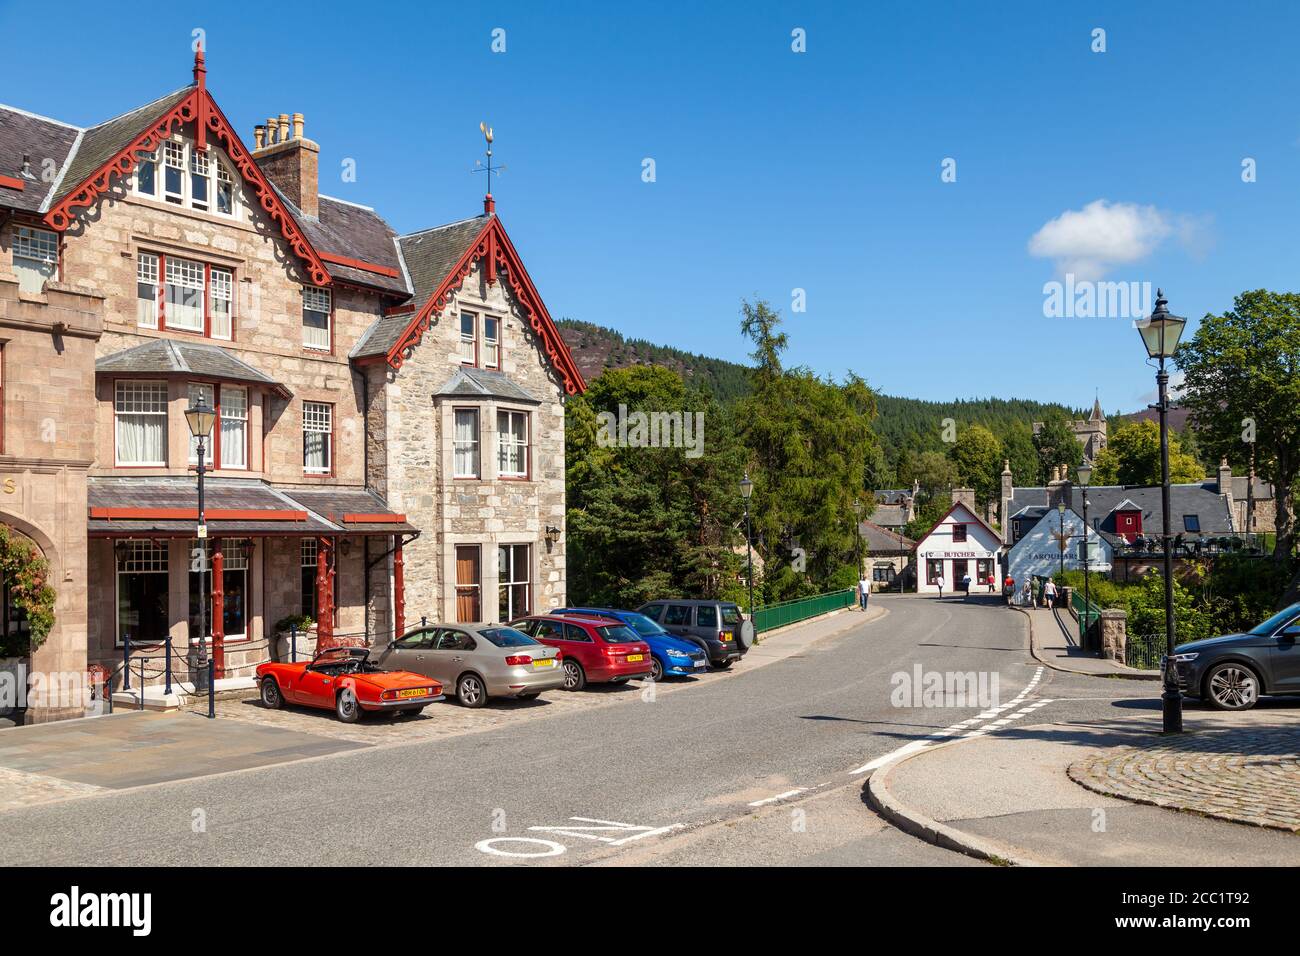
(259, 137)
(270, 130)
(297, 126)
(284, 128)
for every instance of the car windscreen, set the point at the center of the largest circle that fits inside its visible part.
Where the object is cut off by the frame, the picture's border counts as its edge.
(507, 637)
(643, 625)
(618, 634)
(1276, 621)
(730, 614)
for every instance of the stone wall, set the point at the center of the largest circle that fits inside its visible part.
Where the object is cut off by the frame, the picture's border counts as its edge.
(417, 464)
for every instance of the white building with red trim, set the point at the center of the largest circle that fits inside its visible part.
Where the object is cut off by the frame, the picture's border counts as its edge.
(960, 543)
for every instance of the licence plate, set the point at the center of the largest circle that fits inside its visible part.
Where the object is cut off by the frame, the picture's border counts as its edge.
(701, 663)
(545, 662)
(635, 657)
(413, 692)
(726, 637)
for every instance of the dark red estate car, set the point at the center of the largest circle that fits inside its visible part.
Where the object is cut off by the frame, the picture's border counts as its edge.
(594, 649)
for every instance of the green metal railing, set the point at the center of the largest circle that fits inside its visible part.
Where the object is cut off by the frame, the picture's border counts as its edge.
(1087, 614)
(791, 612)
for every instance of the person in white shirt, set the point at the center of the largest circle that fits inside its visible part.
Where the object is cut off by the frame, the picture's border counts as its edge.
(1049, 593)
(939, 581)
(864, 592)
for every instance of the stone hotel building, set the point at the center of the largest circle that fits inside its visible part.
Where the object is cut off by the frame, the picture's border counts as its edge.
(389, 441)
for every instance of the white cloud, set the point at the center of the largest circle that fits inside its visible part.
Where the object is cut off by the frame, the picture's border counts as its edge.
(1091, 241)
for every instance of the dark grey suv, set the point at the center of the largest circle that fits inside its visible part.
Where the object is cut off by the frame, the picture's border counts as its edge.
(717, 627)
(1232, 671)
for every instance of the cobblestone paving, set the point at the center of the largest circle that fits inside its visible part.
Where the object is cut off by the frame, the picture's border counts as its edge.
(19, 789)
(1244, 774)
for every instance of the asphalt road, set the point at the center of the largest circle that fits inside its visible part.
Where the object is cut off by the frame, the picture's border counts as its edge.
(754, 769)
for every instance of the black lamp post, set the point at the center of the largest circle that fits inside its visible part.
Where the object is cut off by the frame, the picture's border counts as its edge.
(747, 489)
(200, 418)
(1160, 334)
(1085, 476)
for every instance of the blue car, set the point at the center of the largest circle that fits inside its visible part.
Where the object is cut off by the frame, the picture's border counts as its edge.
(669, 654)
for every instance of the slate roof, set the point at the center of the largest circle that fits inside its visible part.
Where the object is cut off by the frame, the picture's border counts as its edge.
(40, 138)
(1263, 489)
(172, 357)
(1199, 498)
(429, 256)
(100, 143)
(234, 494)
(482, 383)
(883, 541)
(894, 516)
(357, 232)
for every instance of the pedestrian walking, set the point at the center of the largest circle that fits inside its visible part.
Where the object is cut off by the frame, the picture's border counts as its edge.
(864, 592)
(1049, 593)
(965, 586)
(939, 581)
(1027, 594)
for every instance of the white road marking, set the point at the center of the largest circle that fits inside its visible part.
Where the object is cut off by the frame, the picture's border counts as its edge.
(780, 796)
(549, 848)
(606, 826)
(958, 728)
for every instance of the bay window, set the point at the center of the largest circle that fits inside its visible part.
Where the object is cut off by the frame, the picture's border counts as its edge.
(512, 444)
(469, 584)
(466, 444)
(189, 177)
(317, 437)
(36, 257)
(146, 291)
(316, 306)
(140, 423)
(203, 395)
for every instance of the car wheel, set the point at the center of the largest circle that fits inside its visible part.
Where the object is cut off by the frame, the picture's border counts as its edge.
(1231, 686)
(346, 707)
(574, 678)
(723, 665)
(656, 669)
(470, 691)
(272, 699)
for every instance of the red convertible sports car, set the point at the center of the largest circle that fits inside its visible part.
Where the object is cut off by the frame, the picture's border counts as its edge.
(347, 681)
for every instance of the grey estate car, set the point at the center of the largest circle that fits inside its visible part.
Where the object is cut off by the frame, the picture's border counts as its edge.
(478, 661)
(717, 627)
(1232, 671)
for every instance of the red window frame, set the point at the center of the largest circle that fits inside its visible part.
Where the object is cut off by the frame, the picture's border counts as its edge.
(333, 433)
(214, 460)
(959, 533)
(207, 297)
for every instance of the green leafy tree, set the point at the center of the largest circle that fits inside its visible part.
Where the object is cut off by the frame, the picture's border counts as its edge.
(1132, 457)
(977, 456)
(1242, 380)
(1056, 445)
(809, 441)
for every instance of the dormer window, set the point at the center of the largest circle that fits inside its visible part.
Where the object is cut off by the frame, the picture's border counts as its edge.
(190, 178)
(958, 533)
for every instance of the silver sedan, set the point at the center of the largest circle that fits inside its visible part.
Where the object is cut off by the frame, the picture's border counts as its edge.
(478, 660)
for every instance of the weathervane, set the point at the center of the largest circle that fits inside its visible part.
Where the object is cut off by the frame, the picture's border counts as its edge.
(479, 166)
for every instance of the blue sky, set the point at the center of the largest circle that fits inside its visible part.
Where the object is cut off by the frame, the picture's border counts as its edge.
(778, 170)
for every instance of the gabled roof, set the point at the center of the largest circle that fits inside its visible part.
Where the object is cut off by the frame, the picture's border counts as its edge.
(39, 138)
(975, 519)
(1196, 498)
(483, 383)
(111, 150)
(172, 357)
(358, 246)
(438, 261)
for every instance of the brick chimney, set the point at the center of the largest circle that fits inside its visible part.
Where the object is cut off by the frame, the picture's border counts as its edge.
(1061, 488)
(965, 496)
(290, 160)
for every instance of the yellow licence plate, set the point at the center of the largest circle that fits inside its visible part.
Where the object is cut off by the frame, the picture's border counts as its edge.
(726, 637)
(635, 657)
(545, 662)
(413, 692)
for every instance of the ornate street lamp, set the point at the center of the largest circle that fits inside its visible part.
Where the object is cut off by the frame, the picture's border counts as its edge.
(747, 489)
(1160, 334)
(200, 418)
(1085, 477)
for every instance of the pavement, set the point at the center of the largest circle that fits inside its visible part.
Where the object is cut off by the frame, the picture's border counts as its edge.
(1053, 640)
(1100, 793)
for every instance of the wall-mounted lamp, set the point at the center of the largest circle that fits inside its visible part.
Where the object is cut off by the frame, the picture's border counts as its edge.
(552, 534)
